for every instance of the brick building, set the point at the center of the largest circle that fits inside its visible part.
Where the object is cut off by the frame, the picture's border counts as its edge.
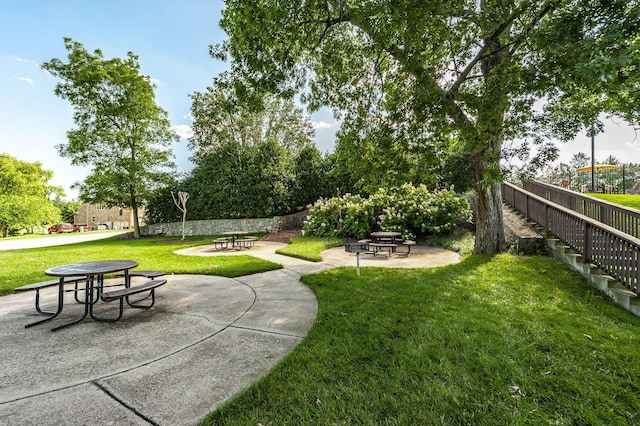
(101, 217)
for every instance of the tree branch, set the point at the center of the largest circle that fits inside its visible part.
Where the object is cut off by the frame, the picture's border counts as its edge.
(496, 33)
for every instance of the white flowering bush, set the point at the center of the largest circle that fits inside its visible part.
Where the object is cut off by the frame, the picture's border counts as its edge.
(414, 210)
(346, 216)
(408, 209)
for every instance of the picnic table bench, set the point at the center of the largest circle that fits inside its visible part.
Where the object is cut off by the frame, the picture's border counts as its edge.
(139, 288)
(246, 242)
(392, 246)
(220, 243)
(142, 273)
(407, 244)
(123, 294)
(110, 296)
(235, 240)
(377, 247)
(51, 283)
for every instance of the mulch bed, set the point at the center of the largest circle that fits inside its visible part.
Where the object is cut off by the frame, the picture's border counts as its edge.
(283, 236)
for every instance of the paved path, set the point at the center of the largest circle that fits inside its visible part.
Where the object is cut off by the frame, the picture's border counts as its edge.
(206, 339)
(57, 240)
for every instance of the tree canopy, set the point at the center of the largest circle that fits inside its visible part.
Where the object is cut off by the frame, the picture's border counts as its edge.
(222, 116)
(25, 195)
(121, 131)
(426, 73)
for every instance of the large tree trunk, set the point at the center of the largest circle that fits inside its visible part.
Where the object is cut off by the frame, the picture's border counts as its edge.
(136, 223)
(489, 225)
(490, 237)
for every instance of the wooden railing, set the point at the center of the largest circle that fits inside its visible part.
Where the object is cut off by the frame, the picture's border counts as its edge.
(621, 218)
(609, 249)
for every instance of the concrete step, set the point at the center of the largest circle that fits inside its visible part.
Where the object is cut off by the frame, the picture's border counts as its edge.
(563, 249)
(605, 283)
(576, 261)
(622, 296)
(600, 280)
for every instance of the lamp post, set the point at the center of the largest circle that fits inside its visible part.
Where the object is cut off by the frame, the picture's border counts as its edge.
(593, 161)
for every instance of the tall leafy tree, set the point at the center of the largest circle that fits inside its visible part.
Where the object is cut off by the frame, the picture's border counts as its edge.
(68, 209)
(311, 178)
(579, 159)
(232, 182)
(121, 131)
(243, 152)
(437, 71)
(25, 195)
(222, 115)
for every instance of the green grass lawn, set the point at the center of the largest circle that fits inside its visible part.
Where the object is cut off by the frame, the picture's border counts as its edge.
(629, 200)
(20, 267)
(309, 248)
(493, 340)
(502, 340)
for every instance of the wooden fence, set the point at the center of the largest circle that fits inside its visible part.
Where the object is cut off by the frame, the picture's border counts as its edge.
(619, 217)
(610, 249)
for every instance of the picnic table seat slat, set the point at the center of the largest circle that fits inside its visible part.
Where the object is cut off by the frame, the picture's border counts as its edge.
(126, 292)
(49, 283)
(142, 273)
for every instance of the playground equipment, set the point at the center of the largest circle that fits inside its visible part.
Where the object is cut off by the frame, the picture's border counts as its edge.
(605, 177)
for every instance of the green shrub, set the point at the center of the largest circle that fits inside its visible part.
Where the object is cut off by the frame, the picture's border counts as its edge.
(407, 209)
(346, 216)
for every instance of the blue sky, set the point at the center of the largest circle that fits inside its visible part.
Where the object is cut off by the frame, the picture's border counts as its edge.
(171, 39)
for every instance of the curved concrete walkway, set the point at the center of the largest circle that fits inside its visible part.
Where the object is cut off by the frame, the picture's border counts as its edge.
(206, 339)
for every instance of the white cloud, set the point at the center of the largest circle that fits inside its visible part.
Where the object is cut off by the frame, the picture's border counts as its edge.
(28, 62)
(183, 130)
(25, 79)
(322, 125)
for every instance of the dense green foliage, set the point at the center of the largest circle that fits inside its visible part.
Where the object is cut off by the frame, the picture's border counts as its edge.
(412, 210)
(21, 267)
(251, 159)
(122, 133)
(345, 216)
(68, 209)
(25, 195)
(416, 82)
(260, 181)
(502, 340)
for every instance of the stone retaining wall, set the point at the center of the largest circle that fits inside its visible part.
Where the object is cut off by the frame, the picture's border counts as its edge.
(219, 226)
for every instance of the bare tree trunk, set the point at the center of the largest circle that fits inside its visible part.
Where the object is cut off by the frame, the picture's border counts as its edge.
(181, 203)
